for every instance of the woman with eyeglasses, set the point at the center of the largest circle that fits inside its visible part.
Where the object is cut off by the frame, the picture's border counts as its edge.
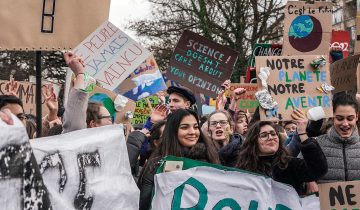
(221, 132)
(181, 138)
(264, 152)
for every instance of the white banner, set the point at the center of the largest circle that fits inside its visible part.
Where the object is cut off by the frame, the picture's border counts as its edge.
(87, 169)
(110, 55)
(209, 188)
(21, 184)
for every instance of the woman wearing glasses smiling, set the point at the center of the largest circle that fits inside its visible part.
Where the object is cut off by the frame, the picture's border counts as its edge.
(263, 152)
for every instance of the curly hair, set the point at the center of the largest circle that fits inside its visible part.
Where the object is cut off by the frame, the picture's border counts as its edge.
(249, 158)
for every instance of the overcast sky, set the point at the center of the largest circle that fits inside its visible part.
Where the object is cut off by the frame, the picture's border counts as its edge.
(122, 11)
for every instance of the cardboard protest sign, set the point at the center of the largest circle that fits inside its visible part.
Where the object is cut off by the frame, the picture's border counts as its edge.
(205, 186)
(343, 74)
(87, 169)
(341, 39)
(142, 109)
(26, 93)
(102, 96)
(357, 32)
(201, 64)
(145, 81)
(307, 28)
(294, 83)
(49, 24)
(247, 100)
(110, 55)
(340, 195)
(21, 183)
(263, 49)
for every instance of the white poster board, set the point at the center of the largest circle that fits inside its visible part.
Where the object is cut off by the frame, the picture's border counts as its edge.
(110, 55)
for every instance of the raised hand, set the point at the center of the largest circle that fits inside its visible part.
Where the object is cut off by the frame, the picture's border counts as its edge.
(5, 115)
(75, 63)
(50, 97)
(238, 92)
(159, 113)
(301, 122)
(11, 87)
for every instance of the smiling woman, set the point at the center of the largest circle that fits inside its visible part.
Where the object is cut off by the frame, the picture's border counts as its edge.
(264, 152)
(181, 138)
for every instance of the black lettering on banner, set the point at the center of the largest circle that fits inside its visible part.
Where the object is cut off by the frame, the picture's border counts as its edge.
(84, 160)
(55, 160)
(18, 161)
(46, 15)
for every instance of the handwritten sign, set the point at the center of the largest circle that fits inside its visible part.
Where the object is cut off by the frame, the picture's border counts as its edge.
(26, 93)
(343, 74)
(142, 109)
(49, 24)
(247, 100)
(263, 49)
(201, 64)
(206, 186)
(293, 84)
(145, 81)
(110, 55)
(340, 195)
(87, 169)
(307, 28)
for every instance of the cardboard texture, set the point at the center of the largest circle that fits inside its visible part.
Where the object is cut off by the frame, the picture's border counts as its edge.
(293, 84)
(344, 74)
(26, 92)
(110, 55)
(341, 39)
(21, 21)
(201, 64)
(142, 109)
(120, 116)
(145, 81)
(247, 100)
(307, 28)
(357, 35)
(340, 195)
(262, 49)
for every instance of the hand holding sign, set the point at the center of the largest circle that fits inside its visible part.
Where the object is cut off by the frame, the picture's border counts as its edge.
(221, 98)
(75, 63)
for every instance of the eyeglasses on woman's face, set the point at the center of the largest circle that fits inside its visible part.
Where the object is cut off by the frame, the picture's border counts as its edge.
(264, 136)
(221, 122)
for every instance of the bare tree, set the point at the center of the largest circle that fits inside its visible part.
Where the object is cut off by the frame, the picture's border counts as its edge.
(238, 24)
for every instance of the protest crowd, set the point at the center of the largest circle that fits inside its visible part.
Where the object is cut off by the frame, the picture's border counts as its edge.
(303, 147)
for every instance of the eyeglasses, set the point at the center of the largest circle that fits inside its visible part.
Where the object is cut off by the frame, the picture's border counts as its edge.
(106, 117)
(264, 136)
(21, 116)
(221, 122)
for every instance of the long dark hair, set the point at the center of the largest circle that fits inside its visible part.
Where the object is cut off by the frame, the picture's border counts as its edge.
(170, 144)
(249, 158)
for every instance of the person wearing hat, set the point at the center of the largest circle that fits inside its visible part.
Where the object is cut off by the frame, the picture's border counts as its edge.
(180, 98)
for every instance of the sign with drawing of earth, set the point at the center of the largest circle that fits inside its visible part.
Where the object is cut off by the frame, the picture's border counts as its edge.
(305, 33)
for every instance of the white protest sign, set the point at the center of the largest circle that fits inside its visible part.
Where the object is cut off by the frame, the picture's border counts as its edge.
(87, 169)
(110, 55)
(214, 189)
(21, 184)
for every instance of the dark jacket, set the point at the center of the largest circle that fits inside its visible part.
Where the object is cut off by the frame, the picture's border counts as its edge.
(146, 179)
(311, 168)
(133, 143)
(230, 152)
